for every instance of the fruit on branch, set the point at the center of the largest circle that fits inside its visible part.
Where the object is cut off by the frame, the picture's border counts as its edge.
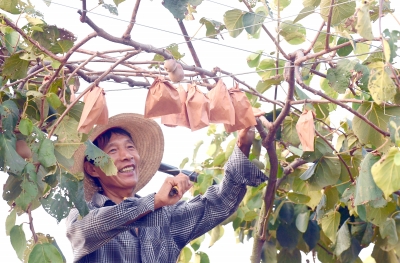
(170, 65)
(178, 74)
(23, 149)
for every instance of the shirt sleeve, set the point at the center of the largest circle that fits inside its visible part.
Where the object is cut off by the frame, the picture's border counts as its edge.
(190, 220)
(89, 233)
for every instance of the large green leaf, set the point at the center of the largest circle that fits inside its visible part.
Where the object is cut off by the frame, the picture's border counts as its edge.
(10, 221)
(27, 195)
(394, 128)
(321, 148)
(213, 27)
(339, 77)
(327, 172)
(11, 41)
(386, 172)
(68, 139)
(378, 216)
(253, 21)
(45, 253)
(9, 158)
(18, 240)
(341, 10)
(46, 153)
(286, 256)
(293, 33)
(363, 26)
(178, 8)
(312, 235)
(286, 213)
(388, 230)
(378, 116)
(233, 20)
(62, 46)
(343, 241)
(366, 188)
(100, 159)
(11, 6)
(306, 11)
(287, 236)
(289, 132)
(330, 224)
(9, 116)
(344, 51)
(381, 85)
(14, 67)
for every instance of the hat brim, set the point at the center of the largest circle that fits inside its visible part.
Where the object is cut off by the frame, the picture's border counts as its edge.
(148, 139)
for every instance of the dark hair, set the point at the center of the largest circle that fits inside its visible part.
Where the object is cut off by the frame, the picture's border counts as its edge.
(101, 141)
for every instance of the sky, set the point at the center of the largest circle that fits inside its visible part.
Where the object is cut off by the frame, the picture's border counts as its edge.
(179, 142)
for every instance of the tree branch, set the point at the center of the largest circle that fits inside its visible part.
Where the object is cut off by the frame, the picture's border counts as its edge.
(83, 16)
(315, 39)
(127, 34)
(328, 25)
(191, 48)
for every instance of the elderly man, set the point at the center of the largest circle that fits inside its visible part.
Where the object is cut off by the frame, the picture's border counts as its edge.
(124, 227)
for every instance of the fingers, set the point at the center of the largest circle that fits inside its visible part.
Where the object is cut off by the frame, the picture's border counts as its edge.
(181, 185)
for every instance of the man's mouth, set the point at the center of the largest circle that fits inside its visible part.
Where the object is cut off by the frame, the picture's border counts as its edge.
(127, 169)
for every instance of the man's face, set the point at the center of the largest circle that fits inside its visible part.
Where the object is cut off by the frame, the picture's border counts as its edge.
(126, 158)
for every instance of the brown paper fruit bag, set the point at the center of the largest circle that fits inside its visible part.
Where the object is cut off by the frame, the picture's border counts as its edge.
(198, 108)
(221, 107)
(178, 119)
(305, 129)
(162, 99)
(95, 110)
(244, 116)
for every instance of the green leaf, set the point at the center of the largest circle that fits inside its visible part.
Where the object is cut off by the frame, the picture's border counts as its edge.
(390, 39)
(313, 3)
(185, 255)
(14, 67)
(386, 50)
(363, 25)
(184, 162)
(384, 256)
(254, 59)
(302, 221)
(378, 216)
(53, 100)
(339, 77)
(343, 241)
(11, 41)
(341, 10)
(377, 115)
(216, 233)
(117, 2)
(195, 244)
(287, 236)
(178, 8)
(11, 6)
(286, 213)
(306, 11)
(298, 198)
(201, 257)
(281, 3)
(18, 240)
(10, 221)
(250, 216)
(62, 46)
(344, 51)
(46, 153)
(312, 235)
(394, 128)
(45, 253)
(233, 20)
(327, 172)
(9, 116)
(213, 27)
(9, 158)
(174, 50)
(386, 173)
(100, 159)
(289, 132)
(362, 50)
(111, 8)
(25, 126)
(27, 195)
(285, 256)
(381, 85)
(330, 223)
(68, 138)
(320, 149)
(293, 33)
(253, 21)
(366, 188)
(388, 230)
(229, 148)
(309, 172)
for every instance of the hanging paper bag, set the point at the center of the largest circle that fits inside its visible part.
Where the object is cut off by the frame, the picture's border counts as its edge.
(198, 108)
(95, 110)
(178, 119)
(162, 99)
(244, 116)
(305, 129)
(221, 107)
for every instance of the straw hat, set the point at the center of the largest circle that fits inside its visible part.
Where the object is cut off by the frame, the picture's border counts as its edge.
(148, 139)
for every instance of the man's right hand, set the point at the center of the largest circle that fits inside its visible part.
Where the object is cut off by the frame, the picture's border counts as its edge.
(162, 197)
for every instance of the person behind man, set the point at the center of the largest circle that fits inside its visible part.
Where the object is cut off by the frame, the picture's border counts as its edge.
(123, 227)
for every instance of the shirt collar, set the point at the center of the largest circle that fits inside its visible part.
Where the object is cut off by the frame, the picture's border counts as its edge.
(100, 200)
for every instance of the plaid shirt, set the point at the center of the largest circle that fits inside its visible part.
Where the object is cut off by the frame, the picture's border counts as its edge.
(159, 236)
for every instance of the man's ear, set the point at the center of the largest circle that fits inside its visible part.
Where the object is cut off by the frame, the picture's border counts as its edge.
(90, 169)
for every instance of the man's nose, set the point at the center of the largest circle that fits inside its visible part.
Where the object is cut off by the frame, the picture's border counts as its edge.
(126, 155)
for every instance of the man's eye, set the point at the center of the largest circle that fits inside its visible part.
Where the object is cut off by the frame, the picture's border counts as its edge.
(112, 151)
